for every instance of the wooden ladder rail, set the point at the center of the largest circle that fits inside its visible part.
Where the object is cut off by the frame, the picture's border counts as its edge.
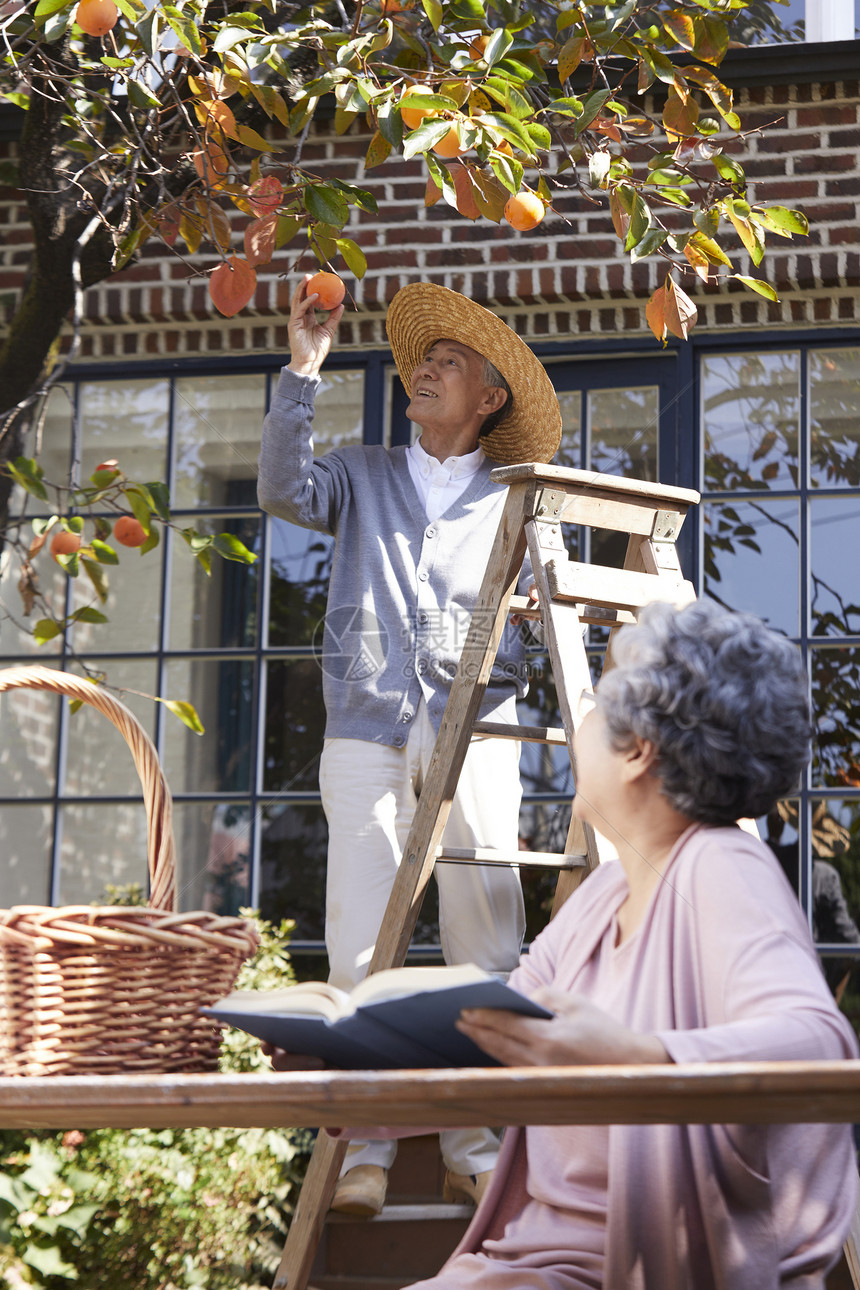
(539, 499)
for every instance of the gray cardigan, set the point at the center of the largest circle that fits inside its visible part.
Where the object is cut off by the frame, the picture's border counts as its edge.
(402, 590)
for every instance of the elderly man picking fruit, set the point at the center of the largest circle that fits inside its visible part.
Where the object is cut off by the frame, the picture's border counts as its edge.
(413, 528)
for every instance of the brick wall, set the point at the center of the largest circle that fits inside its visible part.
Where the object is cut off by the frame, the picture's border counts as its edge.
(567, 278)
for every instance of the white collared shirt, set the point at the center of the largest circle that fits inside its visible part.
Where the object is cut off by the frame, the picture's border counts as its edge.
(440, 483)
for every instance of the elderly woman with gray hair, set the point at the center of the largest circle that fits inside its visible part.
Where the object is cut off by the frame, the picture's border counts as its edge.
(690, 947)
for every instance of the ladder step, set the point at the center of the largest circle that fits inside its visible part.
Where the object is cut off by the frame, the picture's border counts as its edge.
(525, 859)
(526, 734)
(594, 615)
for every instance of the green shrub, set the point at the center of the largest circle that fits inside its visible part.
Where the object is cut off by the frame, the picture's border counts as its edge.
(167, 1209)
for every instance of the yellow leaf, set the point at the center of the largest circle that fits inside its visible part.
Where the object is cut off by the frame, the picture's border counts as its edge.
(570, 56)
(679, 118)
(680, 314)
(190, 231)
(655, 314)
(251, 139)
(377, 152)
(700, 262)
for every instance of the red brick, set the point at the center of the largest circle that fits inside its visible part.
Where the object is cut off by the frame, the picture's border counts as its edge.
(833, 114)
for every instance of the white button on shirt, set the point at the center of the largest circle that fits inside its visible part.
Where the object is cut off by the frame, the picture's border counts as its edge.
(440, 483)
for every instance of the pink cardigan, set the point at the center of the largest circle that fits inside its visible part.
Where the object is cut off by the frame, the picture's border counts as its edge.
(731, 975)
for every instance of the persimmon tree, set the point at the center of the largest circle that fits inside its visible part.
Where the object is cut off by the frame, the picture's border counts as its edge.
(179, 114)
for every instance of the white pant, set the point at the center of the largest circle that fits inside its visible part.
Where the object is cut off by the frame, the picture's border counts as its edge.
(369, 794)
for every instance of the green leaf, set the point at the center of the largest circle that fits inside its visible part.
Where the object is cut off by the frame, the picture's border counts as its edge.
(360, 197)
(103, 553)
(147, 30)
(288, 226)
(159, 495)
(41, 526)
(501, 123)
(779, 219)
(87, 614)
(539, 135)
(49, 1262)
(325, 203)
(45, 8)
(640, 215)
(508, 171)
(422, 139)
(662, 67)
(28, 473)
(45, 630)
(591, 107)
(648, 244)
(204, 557)
(230, 548)
(151, 542)
(498, 45)
(140, 96)
(97, 577)
(729, 170)
(186, 712)
(756, 284)
(186, 30)
(434, 12)
(354, 257)
(141, 506)
(502, 91)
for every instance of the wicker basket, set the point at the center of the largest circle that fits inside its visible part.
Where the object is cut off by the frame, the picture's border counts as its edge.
(103, 990)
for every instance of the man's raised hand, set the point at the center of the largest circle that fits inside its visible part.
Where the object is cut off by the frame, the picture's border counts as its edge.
(310, 340)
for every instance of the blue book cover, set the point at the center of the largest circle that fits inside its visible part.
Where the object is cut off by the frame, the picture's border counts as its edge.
(397, 1019)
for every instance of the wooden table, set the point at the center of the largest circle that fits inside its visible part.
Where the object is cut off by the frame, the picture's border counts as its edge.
(727, 1093)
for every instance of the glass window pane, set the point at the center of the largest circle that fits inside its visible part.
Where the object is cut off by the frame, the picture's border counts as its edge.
(834, 601)
(751, 414)
(339, 410)
(103, 845)
(779, 831)
(295, 719)
(126, 421)
(218, 609)
(132, 608)
(98, 760)
(16, 624)
(294, 838)
(836, 896)
(25, 842)
(570, 452)
(217, 423)
(836, 708)
(221, 760)
(55, 451)
(751, 559)
(623, 426)
(301, 566)
(213, 855)
(834, 418)
(29, 721)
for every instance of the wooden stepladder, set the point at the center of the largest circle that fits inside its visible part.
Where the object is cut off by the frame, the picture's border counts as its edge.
(570, 593)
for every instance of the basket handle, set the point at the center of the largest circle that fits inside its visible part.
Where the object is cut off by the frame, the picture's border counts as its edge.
(161, 853)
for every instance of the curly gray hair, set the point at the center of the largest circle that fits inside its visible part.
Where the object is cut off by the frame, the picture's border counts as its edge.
(723, 698)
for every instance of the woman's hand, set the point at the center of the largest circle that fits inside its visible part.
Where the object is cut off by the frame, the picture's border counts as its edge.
(310, 341)
(284, 1061)
(579, 1034)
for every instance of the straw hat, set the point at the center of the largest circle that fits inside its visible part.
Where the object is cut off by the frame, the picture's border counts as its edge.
(422, 313)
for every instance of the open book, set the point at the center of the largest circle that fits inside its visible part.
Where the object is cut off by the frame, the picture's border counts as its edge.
(396, 1019)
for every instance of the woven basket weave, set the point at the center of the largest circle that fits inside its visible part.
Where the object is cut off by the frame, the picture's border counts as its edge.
(104, 990)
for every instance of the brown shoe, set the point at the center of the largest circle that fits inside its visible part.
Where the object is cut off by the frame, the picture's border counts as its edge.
(361, 1191)
(465, 1188)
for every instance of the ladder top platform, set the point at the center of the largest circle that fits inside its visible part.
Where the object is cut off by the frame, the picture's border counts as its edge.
(593, 481)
